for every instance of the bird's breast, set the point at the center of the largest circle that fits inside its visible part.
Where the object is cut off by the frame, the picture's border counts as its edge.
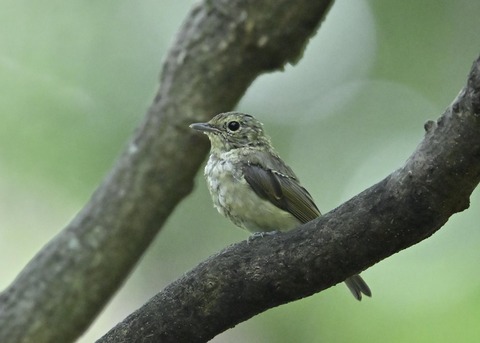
(234, 198)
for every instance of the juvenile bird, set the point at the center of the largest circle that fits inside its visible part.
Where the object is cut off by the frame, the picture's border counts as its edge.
(252, 186)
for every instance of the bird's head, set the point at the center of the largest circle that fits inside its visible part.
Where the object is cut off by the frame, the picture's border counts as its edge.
(233, 130)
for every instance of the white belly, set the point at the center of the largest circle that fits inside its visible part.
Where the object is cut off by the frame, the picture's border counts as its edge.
(234, 198)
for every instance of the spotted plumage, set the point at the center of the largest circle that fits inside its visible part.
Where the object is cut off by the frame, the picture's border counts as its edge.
(252, 186)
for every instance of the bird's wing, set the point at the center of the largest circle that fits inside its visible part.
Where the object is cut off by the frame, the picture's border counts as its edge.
(281, 190)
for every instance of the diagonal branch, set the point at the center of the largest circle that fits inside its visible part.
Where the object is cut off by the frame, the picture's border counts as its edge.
(245, 279)
(221, 48)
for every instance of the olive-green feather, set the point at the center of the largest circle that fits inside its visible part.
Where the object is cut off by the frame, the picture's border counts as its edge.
(281, 190)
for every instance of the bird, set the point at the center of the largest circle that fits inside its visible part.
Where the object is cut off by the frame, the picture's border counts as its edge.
(252, 186)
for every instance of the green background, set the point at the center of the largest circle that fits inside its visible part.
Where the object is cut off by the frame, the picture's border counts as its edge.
(77, 76)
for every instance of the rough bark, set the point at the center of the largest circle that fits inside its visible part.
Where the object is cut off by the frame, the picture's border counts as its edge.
(249, 277)
(220, 49)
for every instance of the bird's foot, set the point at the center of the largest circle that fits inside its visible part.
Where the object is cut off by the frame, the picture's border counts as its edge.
(261, 234)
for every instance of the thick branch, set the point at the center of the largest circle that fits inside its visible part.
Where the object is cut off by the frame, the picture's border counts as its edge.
(401, 210)
(221, 48)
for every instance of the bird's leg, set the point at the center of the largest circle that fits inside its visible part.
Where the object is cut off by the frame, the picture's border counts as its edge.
(261, 234)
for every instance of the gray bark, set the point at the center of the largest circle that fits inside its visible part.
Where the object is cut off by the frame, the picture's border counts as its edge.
(220, 49)
(247, 278)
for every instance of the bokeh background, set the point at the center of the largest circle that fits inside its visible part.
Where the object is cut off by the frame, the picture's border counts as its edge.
(77, 76)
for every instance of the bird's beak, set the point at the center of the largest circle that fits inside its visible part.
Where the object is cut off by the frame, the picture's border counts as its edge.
(203, 127)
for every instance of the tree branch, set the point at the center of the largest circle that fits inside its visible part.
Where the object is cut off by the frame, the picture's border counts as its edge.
(247, 278)
(221, 48)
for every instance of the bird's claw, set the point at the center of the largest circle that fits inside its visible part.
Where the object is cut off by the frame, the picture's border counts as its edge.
(261, 234)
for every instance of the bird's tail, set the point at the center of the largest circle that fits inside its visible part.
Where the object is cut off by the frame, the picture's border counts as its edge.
(358, 286)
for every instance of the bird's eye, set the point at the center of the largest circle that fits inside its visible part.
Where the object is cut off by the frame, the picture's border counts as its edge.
(233, 125)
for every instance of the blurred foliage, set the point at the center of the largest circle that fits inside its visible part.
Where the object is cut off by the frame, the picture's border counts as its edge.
(76, 77)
